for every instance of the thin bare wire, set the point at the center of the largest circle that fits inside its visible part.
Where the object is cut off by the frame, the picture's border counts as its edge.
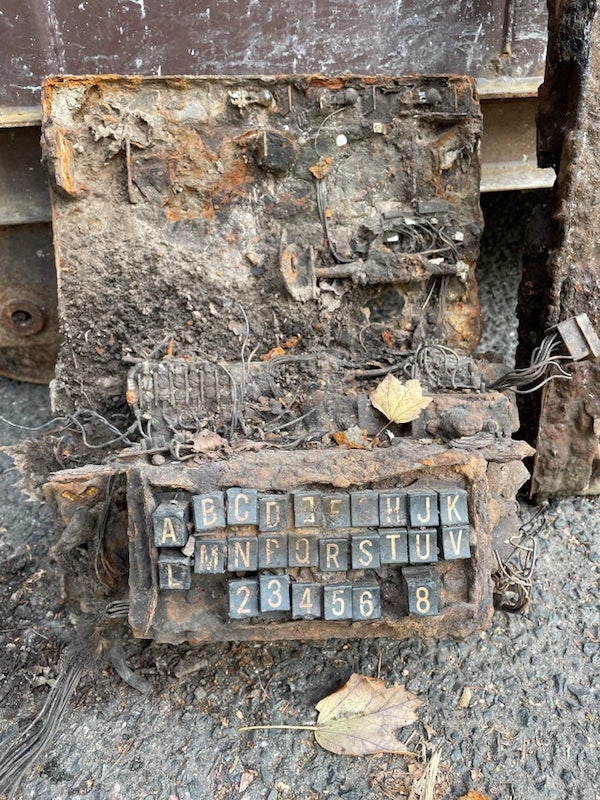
(105, 572)
(322, 125)
(235, 416)
(244, 345)
(21, 750)
(425, 360)
(513, 576)
(545, 357)
(63, 424)
(289, 424)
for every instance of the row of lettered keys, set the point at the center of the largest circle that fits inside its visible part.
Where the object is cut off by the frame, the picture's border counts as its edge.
(268, 594)
(369, 550)
(329, 552)
(308, 509)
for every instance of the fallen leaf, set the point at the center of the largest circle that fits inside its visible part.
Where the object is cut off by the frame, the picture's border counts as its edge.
(275, 351)
(355, 438)
(289, 344)
(207, 441)
(399, 402)
(246, 779)
(473, 795)
(362, 717)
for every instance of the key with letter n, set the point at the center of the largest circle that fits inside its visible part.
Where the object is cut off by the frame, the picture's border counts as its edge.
(242, 554)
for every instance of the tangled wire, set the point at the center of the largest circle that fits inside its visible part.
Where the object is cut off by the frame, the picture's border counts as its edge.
(513, 576)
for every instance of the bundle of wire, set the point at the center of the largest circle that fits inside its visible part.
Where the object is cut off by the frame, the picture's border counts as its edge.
(547, 358)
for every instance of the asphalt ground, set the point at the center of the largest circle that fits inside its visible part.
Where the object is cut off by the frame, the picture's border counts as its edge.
(512, 713)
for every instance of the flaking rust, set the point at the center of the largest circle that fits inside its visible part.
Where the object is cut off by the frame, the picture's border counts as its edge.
(331, 226)
(178, 194)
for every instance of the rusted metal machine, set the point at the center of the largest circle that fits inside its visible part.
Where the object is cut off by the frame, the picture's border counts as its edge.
(245, 264)
(272, 248)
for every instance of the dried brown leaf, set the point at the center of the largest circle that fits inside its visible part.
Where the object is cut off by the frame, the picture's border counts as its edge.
(362, 717)
(247, 777)
(399, 402)
(207, 441)
(274, 351)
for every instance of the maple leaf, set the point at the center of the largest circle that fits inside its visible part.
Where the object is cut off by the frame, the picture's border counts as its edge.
(399, 402)
(362, 717)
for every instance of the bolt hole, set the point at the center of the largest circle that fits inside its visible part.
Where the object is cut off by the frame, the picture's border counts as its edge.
(21, 319)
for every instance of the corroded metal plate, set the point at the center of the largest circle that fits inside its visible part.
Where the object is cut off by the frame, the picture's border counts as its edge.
(320, 206)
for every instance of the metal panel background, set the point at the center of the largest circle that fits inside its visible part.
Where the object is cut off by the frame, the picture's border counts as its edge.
(486, 38)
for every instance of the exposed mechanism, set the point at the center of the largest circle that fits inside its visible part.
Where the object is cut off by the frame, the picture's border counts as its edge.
(302, 238)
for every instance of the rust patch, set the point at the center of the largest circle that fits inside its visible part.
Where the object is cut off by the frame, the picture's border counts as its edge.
(201, 181)
(63, 162)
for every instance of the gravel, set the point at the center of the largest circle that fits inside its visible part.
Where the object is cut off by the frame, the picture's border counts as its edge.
(529, 730)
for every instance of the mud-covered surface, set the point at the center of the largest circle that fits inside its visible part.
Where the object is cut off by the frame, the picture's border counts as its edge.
(528, 730)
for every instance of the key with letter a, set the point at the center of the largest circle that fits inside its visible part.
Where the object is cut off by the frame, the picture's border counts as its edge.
(170, 523)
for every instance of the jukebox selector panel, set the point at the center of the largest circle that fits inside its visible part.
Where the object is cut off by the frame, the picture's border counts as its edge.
(313, 554)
